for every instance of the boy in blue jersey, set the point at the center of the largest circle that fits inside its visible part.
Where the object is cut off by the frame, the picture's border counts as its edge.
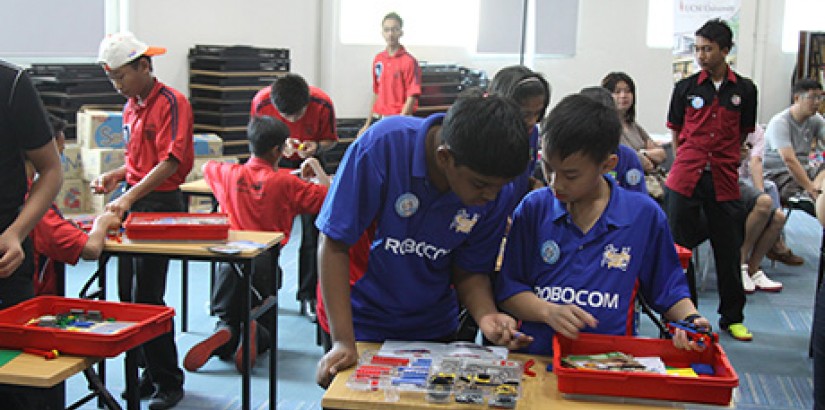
(578, 251)
(437, 192)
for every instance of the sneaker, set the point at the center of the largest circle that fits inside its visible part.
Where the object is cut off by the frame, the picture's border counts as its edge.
(763, 282)
(804, 202)
(737, 331)
(747, 282)
(253, 348)
(145, 388)
(200, 353)
(166, 399)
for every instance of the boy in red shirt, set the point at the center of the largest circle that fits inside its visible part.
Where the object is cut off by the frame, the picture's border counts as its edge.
(310, 116)
(57, 240)
(396, 76)
(258, 196)
(157, 127)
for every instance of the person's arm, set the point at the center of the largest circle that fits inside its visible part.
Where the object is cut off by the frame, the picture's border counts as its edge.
(674, 135)
(369, 115)
(757, 178)
(43, 191)
(107, 181)
(797, 170)
(409, 105)
(333, 276)
(160, 173)
(97, 235)
(564, 319)
(682, 310)
(312, 168)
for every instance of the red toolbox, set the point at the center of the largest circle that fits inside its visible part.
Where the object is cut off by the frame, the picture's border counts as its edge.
(178, 226)
(684, 255)
(715, 389)
(133, 325)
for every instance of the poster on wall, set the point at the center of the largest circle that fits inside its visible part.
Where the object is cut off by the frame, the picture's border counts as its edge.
(689, 16)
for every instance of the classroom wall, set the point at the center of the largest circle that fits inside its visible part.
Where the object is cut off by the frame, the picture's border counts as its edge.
(611, 37)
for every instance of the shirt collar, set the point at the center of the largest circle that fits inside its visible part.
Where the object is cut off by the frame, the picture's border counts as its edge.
(256, 162)
(419, 168)
(617, 213)
(153, 94)
(400, 52)
(704, 75)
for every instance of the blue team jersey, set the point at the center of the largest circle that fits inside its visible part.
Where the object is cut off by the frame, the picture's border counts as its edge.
(628, 171)
(421, 233)
(547, 254)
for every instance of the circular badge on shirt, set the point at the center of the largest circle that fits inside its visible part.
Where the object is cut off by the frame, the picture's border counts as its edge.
(633, 177)
(736, 100)
(379, 67)
(406, 205)
(697, 102)
(550, 252)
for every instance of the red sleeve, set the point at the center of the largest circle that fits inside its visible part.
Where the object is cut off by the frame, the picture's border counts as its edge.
(307, 197)
(414, 79)
(174, 139)
(212, 175)
(375, 74)
(58, 239)
(327, 130)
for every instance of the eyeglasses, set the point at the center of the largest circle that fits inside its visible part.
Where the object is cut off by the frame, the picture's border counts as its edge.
(392, 29)
(815, 97)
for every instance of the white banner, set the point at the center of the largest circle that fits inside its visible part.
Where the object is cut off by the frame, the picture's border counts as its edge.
(689, 16)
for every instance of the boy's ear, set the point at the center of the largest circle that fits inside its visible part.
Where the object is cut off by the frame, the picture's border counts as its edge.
(610, 163)
(443, 156)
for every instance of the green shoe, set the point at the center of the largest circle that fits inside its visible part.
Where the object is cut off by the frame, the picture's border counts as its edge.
(739, 332)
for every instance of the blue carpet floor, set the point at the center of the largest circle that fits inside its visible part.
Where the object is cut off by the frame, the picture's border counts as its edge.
(774, 369)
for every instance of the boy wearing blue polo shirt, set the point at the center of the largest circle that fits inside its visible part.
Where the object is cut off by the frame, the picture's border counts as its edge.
(437, 192)
(578, 251)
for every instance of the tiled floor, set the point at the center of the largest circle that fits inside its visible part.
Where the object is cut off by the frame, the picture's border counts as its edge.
(774, 369)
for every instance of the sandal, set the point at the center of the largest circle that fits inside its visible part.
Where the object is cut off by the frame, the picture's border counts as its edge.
(787, 257)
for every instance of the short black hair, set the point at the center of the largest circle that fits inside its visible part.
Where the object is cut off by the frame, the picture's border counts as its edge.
(718, 31)
(290, 94)
(600, 95)
(520, 83)
(394, 16)
(264, 133)
(487, 135)
(804, 85)
(581, 124)
(58, 124)
(136, 62)
(611, 80)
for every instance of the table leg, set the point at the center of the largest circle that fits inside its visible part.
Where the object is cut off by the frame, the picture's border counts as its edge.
(131, 373)
(184, 294)
(246, 296)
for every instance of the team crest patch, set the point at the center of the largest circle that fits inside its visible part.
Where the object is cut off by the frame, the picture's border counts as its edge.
(127, 131)
(697, 102)
(736, 100)
(613, 259)
(379, 67)
(633, 177)
(550, 252)
(462, 222)
(406, 205)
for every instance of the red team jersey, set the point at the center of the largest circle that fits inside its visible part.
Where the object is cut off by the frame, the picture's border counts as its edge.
(56, 240)
(317, 124)
(394, 79)
(156, 129)
(260, 198)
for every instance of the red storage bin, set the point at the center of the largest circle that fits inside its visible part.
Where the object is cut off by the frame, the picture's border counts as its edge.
(150, 321)
(179, 226)
(716, 389)
(684, 255)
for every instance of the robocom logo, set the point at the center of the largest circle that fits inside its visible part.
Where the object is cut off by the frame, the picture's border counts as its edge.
(581, 297)
(409, 246)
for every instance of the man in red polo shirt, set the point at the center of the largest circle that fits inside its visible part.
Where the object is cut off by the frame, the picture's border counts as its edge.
(711, 114)
(157, 127)
(257, 196)
(310, 116)
(396, 76)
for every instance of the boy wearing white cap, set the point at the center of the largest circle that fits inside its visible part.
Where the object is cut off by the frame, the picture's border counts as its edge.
(157, 127)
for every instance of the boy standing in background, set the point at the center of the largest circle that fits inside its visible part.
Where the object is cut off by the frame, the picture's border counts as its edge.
(157, 127)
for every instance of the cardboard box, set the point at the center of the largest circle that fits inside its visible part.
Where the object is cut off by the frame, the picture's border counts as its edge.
(99, 128)
(71, 198)
(96, 161)
(72, 168)
(197, 171)
(208, 145)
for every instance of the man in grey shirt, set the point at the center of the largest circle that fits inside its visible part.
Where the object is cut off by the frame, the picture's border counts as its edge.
(790, 138)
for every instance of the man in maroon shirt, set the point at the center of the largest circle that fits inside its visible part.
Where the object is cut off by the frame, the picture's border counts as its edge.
(711, 113)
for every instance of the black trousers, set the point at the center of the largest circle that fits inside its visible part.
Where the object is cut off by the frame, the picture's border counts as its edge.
(699, 217)
(143, 280)
(819, 350)
(226, 298)
(308, 251)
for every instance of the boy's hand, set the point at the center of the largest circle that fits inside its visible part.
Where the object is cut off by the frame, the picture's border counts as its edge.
(569, 319)
(104, 183)
(308, 168)
(119, 206)
(342, 356)
(108, 220)
(500, 328)
(12, 252)
(681, 340)
(307, 149)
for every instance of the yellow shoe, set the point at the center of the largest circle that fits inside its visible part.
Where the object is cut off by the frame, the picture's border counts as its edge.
(739, 332)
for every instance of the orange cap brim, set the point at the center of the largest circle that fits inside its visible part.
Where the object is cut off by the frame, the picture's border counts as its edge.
(154, 51)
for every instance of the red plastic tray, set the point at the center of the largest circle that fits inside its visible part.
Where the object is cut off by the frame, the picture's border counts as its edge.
(684, 255)
(151, 321)
(177, 226)
(716, 389)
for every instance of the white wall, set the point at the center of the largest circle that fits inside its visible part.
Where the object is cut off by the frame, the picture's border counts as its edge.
(611, 37)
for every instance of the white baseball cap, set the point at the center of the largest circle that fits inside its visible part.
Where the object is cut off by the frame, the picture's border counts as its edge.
(118, 49)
